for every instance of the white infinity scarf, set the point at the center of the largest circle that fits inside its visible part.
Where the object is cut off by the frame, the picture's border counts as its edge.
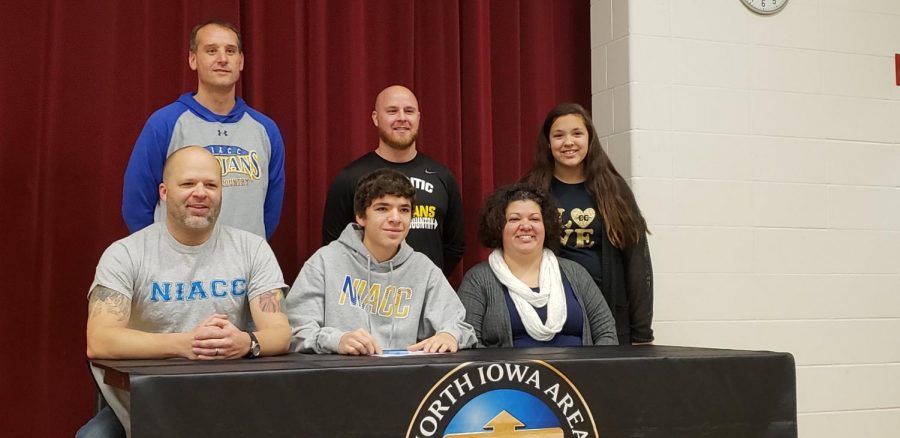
(551, 295)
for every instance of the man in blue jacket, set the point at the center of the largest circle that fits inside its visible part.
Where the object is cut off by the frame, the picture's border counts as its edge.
(247, 144)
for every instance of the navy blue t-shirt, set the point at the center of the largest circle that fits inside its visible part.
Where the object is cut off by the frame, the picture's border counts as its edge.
(582, 224)
(568, 336)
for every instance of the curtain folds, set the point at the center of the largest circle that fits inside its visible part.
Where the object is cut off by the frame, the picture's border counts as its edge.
(83, 77)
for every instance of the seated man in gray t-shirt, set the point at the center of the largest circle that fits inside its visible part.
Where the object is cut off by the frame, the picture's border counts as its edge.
(185, 287)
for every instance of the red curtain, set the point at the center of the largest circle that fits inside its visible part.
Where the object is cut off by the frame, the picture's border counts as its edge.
(82, 77)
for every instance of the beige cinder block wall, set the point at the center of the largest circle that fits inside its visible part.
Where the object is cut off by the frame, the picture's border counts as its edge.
(765, 154)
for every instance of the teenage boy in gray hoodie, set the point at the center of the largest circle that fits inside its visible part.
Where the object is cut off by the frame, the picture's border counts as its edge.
(369, 291)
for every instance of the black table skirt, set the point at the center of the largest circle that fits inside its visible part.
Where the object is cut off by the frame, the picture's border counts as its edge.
(648, 391)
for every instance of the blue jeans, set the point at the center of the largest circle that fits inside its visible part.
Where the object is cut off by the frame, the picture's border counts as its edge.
(104, 425)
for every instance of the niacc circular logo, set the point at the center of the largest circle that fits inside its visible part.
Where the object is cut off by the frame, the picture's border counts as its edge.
(503, 399)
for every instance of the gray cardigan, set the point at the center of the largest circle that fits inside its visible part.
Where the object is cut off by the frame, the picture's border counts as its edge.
(482, 295)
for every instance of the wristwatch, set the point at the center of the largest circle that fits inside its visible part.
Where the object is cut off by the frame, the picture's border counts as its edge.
(254, 351)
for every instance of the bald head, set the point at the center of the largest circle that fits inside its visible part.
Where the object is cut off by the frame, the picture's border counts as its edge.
(396, 116)
(394, 92)
(190, 157)
(192, 191)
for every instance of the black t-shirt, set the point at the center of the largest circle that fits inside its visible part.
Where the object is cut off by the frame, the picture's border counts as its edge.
(436, 229)
(582, 224)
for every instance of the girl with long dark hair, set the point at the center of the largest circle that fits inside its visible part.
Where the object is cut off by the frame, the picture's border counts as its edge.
(602, 226)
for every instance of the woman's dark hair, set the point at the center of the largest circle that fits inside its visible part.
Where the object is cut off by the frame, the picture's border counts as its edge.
(380, 183)
(493, 215)
(621, 216)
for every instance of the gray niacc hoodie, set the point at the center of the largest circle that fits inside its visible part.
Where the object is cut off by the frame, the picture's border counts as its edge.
(400, 301)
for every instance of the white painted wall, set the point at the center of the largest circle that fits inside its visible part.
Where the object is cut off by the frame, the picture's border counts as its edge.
(765, 154)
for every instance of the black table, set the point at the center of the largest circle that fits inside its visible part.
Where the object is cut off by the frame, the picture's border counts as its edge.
(649, 391)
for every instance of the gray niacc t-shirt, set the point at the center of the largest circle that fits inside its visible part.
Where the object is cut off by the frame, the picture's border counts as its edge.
(174, 287)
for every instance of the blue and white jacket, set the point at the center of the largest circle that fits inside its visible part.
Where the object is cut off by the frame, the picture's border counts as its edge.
(247, 144)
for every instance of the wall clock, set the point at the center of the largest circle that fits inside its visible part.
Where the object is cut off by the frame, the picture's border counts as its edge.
(764, 6)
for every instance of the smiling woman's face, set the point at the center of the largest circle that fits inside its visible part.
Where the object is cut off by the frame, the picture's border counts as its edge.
(524, 229)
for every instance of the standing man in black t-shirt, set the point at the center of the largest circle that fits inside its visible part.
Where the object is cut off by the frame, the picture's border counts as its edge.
(436, 229)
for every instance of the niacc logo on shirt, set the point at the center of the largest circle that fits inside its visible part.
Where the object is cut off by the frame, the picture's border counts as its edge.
(196, 290)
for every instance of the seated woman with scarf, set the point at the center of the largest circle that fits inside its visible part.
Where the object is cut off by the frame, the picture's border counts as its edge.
(524, 296)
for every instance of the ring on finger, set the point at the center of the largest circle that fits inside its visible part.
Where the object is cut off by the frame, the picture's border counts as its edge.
(217, 352)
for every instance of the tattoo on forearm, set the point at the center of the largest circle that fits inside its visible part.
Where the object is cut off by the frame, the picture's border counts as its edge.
(104, 299)
(270, 302)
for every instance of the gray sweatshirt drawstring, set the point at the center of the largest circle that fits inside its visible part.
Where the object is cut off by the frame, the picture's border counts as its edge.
(369, 287)
(389, 283)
